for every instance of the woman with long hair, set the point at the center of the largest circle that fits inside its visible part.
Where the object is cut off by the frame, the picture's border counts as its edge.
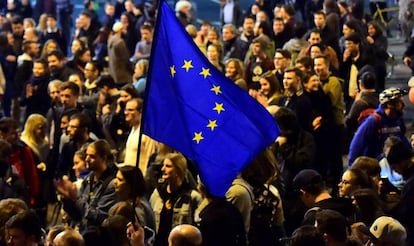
(270, 88)
(130, 189)
(173, 202)
(234, 71)
(48, 46)
(140, 76)
(214, 56)
(378, 43)
(34, 136)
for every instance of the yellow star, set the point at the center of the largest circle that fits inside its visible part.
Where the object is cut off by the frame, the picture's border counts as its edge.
(198, 137)
(212, 124)
(218, 108)
(172, 71)
(216, 89)
(187, 65)
(205, 72)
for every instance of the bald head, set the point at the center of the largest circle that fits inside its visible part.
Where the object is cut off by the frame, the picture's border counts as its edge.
(69, 238)
(187, 235)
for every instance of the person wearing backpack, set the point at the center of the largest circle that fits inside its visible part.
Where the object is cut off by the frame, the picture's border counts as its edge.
(385, 122)
(310, 187)
(368, 99)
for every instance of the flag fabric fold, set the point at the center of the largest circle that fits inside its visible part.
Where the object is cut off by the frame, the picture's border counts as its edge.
(193, 108)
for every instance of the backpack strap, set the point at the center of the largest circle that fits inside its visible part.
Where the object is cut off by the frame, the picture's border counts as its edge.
(310, 211)
(378, 120)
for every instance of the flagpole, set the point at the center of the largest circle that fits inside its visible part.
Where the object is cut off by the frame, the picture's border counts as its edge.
(148, 82)
(141, 127)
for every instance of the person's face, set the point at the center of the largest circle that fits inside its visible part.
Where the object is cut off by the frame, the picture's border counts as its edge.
(16, 237)
(277, 11)
(125, 96)
(204, 30)
(261, 16)
(371, 30)
(300, 66)
(54, 93)
(124, 20)
(73, 129)
(51, 23)
(346, 30)
(120, 182)
(319, 21)
(10, 38)
(212, 36)
(38, 69)
(313, 83)
(86, 56)
(280, 61)
(412, 140)
(255, 9)
(110, 10)
(40, 131)
(320, 67)
(128, 6)
(64, 123)
(227, 34)
(278, 26)
(256, 49)
(314, 38)
(75, 46)
(290, 82)
(285, 15)
(51, 46)
(342, 10)
(146, 35)
(85, 20)
(248, 25)
(315, 51)
(212, 53)
(346, 185)
(10, 136)
(351, 46)
(132, 113)
(138, 71)
(75, 78)
(29, 35)
(79, 165)
(264, 87)
(168, 170)
(257, 30)
(33, 50)
(230, 70)
(398, 106)
(54, 63)
(68, 99)
(17, 29)
(90, 72)
(93, 160)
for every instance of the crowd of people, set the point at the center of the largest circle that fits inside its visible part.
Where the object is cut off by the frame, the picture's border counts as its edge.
(71, 107)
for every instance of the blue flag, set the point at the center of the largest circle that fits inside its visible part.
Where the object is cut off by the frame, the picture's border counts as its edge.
(192, 107)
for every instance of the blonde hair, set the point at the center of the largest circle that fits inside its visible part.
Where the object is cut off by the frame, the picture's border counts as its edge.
(179, 162)
(28, 134)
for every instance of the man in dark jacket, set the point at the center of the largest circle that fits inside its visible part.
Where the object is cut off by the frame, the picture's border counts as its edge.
(401, 159)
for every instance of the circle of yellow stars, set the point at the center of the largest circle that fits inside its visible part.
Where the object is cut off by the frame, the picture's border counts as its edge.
(219, 107)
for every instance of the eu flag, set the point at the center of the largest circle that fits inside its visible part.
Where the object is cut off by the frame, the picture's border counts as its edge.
(195, 109)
